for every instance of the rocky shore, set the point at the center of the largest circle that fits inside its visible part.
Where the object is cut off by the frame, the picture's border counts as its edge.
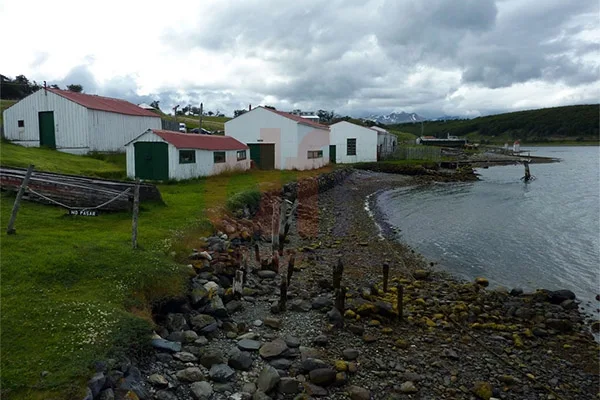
(451, 339)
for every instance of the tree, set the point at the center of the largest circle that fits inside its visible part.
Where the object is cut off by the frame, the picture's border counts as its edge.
(270, 107)
(155, 104)
(325, 116)
(55, 86)
(210, 113)
(75, 88)
(237, 113)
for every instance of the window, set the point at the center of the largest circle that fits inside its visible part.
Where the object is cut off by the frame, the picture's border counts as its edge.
(21, 123)
(219, 157)
(315, 154)
(187, 156)
(350, 147)
(241, 155)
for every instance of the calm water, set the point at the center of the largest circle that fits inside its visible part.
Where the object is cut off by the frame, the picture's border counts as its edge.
(545, 234)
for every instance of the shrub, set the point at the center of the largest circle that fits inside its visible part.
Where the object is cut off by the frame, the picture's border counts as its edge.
(247, 198)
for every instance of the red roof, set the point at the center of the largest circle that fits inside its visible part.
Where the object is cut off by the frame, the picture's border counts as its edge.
(298, 119)
(199, 141)
(104, 103)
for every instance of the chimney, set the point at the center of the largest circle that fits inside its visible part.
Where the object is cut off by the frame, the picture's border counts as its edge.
(249, 107)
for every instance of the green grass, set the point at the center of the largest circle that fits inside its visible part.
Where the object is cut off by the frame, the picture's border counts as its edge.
(72, 288)
(210, 123)
(404, 136)
(54, 161)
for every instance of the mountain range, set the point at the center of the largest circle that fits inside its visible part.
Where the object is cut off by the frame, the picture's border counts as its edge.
(396, 118)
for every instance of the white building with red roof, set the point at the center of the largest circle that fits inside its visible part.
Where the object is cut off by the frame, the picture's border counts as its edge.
(280, 140)
(164, 155)
(76, 122)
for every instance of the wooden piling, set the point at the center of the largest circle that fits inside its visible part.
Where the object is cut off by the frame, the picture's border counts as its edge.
(275, 262)
(340, 299)
(290, 270)
(10, 230)
(257, 253)
(338, 271)
(136, 210)
(386, 274)
(283, 295)
(238, 284)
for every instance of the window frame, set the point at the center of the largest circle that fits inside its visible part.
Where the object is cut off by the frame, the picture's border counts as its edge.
(21, 123)
(243, 153)
(188, 151)
(215, 161)
(348, 146)
(314, 154)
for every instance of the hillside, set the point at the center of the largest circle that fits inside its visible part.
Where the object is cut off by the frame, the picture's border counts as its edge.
(579, 123)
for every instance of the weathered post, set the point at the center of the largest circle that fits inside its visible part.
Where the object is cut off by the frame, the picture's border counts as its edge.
(400, 300)
(136, 210)
(274, 228)
(283, 295)
(245, 269)
(386, 274)
(238, 284)
(290, 270)
(257, 253)
(340, 299)
(527, 176)
(10, 230)
(275, 262)
(282, 222)
(338, 271)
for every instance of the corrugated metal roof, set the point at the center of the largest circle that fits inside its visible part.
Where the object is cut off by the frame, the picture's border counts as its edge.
(104, 103)
(299, 119)
(202, 142)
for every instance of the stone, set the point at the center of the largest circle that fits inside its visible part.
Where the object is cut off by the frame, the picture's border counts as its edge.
(267, 379)
(201, 321)
(240, 359)
(595, 326)
(273, 349)
(107, 394)
(483, 390)
(96, 383)
(223, 387)
(209, 357)
(408, 387)
(190, 336)
(321, 302)
(221, 373)
(288, 385)
(217, 308)
(482, 281)
(184, 356)
(368, 338)
(266, 274)
(201, 390)
(257, 323)
(165, 395)
(233, 306)
(335, 318)
(272, 322)
(516, 292)
(341, 378)
(352, 367)
(281, 363)
(158, 380)
(199, 295)
(321, 340)
(341, 366)
(260, 395)
(569, 305)
(163, 344)
(191, 374)
(350, 354)
(451, 354)
(356, 329)
(322, 376)
(309, 352)
(201, 341)
(561, 325)
(358, 393)
(300, 305)
(421, 274)
(249, 387)
(249, 344)
(292, 341)
(176, 322)
(313, 363)
(558, 296)
(314, 390)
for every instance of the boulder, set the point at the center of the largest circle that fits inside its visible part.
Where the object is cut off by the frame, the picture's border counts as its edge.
(96, 383)
(322, 376)
(350, 354)
(184, 356)
(335, 318)
(288, 385)
(221, 373)
(267, 379)
(163, 344)
(209, 357)
(561, 325)
(249, 344)
(321, 302)
(191, 374)
(358, 393)
(558, 296)
(272, 322)
(158, 380)
(266, 274)
(273, 349)
(201, 390)
(201, 321)
(240, 359)
(313, 363)
(176, 322)
(281, 363)
(408, 387)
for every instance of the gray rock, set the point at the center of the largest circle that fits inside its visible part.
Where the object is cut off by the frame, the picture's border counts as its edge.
(356, 329)
(190, 336)
(177, 336)
(451, 354)
(273, 349)
(248, 344)
(233, 306)
(260, 395)
(249, 387)
(408, 387)
(300, 305)
(350, 354)
(107, 394)
(561, 325)
(163, 344)
(201, 341)
(240, 360)
(165, 395)
(335, 318)
(292, 341)
(314, 390)
(221, 373)
(257, 323)
(321, 302)
(176, 322)
(210, 357)
(569, 305)
(88, 394)
(268, 379)
(358, 393)
(558, 296)
(288, 386)
(272, 322)
(201, 390)
(266, 274)
(158, 380)
(96, 383)
(309, 352)
(199, 296)
(515, 292)
(185, 356)
(321, 340)
(281, 363)
(217, 308)
(248, 335)
(223, 387)
(191, 374)
(322, 376)
(201, 321)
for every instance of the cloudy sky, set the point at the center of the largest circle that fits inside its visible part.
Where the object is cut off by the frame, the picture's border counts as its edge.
(357, 57)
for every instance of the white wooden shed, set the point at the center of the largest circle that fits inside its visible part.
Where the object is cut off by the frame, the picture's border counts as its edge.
(76, 122)
(280, 140)
(351, 143)
(386, 142)
(163, 155)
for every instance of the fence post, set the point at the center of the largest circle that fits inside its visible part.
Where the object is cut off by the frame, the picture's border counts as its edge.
(136, 210)
(10, 230)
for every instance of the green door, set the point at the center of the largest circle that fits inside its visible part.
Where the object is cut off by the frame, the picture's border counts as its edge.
(46, 122)
(263, 155)
(332, 153)
(151, 161)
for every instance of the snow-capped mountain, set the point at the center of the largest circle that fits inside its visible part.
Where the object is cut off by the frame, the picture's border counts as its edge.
(446, 118)
(396, 118)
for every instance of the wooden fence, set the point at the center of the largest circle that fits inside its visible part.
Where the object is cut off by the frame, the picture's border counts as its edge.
(425, 153)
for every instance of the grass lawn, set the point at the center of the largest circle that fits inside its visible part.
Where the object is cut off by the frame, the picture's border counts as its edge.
(72, 288)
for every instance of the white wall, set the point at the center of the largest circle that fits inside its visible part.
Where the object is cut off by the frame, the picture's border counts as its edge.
(110, 131)
(366, 142)
(310, 139)
(386, 143)
(70, 122)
